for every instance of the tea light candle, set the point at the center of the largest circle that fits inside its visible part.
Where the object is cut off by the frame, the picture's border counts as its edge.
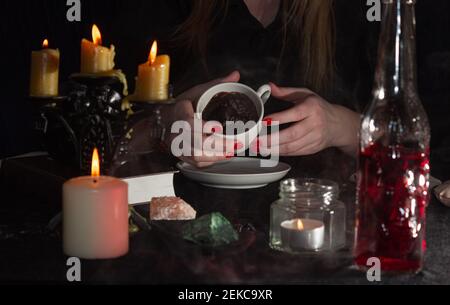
(95, 216)
(94, 57)
(303, 234)
(44, 77)
(152, 83)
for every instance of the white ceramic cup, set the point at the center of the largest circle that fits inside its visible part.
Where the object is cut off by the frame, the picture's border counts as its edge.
(259, 98)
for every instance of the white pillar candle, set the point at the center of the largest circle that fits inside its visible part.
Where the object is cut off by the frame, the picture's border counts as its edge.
(95, 217)
(303, 234)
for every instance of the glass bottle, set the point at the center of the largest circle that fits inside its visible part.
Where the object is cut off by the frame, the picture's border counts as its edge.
(393, 175)
(313, 205)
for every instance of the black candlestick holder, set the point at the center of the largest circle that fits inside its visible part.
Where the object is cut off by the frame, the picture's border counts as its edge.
(52, 129)
(94, 114)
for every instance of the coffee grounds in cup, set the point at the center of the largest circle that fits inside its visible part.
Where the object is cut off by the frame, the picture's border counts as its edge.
(231, 107)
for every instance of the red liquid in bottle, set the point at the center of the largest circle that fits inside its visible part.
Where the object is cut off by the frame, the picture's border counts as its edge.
(393, 195)
(393, 178)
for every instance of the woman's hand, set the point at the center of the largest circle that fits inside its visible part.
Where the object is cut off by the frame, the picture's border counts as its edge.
(207, 149)
(317, 125)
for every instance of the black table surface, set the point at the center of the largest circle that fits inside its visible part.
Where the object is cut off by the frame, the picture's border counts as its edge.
(30, 253)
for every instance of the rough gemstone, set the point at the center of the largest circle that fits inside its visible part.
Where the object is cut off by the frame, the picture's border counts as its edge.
(212, 230)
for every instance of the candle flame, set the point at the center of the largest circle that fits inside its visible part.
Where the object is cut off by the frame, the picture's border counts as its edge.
(45, 44)
(299, 225)
(96, 36)
(95, 164)
(153, 53)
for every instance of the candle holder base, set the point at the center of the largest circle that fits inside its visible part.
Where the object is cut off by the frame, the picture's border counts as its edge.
(52, 128)
(94, 113)
(298, 252)
(145, 103)
(41, 101)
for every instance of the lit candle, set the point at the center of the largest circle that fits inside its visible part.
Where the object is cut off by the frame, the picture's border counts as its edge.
(303, 234)
(95, 216)
(44, 72)
(152, 83)
(94, 57)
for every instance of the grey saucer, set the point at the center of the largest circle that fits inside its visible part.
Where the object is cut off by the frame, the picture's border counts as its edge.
(238, 173)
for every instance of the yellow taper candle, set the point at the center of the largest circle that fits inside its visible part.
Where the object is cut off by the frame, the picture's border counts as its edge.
(94, 57)
(44, 75)
(152, 83)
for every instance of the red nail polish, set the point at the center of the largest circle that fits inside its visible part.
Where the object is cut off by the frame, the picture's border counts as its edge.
(238, 146)
(268, 121)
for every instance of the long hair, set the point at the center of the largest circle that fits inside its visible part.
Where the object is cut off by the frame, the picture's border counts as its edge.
(308, 24)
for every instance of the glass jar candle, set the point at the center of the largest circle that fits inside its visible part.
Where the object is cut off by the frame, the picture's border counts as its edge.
(308, 217)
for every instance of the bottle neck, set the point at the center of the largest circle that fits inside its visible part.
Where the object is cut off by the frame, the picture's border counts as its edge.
(396, 72)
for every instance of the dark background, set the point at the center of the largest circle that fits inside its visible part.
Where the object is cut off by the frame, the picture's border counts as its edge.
(133, 24)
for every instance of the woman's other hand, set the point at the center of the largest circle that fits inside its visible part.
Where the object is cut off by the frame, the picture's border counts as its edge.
(316, 125)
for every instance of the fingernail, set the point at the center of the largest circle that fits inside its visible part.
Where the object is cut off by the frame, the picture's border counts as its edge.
(268, 121)
(238, 146)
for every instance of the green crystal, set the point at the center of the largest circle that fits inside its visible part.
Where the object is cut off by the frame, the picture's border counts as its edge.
(212, 230)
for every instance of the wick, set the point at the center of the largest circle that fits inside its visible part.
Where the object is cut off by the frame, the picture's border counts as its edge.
(95, 181)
